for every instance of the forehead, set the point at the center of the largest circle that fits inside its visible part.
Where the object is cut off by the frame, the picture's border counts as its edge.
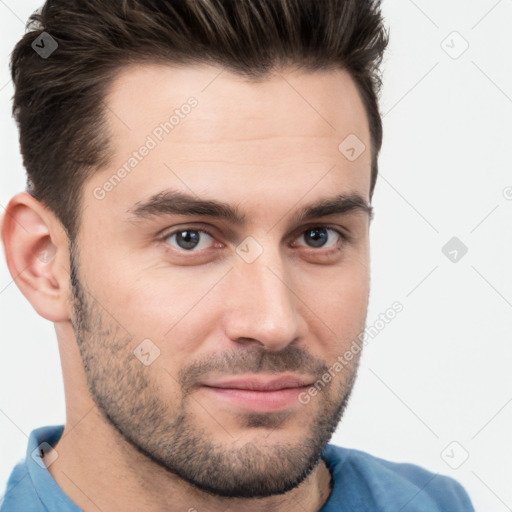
(325, 102)
(211, 130)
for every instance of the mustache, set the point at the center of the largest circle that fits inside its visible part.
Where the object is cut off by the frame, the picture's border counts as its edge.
(253, 360)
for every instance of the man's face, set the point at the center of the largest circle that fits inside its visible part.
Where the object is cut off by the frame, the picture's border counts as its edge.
(199, 334)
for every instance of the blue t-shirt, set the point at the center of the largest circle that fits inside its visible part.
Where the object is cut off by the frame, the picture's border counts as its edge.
(361, 483)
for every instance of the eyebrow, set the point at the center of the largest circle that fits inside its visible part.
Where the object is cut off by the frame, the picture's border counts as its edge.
(173, 202)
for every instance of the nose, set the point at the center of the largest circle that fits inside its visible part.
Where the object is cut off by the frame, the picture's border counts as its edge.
(260, 305)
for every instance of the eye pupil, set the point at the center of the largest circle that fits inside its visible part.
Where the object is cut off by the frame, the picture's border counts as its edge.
(188, 238)
(319, 236)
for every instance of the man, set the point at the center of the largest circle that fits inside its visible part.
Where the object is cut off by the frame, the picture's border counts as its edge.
(196, 227)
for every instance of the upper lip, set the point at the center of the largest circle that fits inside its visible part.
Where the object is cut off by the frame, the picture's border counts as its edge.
(260, 383)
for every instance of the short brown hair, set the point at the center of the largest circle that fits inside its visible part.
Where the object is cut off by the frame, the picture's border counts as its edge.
(58, 101)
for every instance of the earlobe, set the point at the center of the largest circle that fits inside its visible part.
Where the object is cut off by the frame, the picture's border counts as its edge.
(36, 250)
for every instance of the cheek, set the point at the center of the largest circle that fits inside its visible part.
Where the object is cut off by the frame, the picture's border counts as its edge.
(344, 310)
(340, 301)
(351, 293)
(166, 306)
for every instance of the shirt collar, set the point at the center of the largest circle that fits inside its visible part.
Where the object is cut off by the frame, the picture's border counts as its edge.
(42, 440)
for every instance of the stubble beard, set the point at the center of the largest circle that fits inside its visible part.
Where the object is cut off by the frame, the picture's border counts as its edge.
(131, 402)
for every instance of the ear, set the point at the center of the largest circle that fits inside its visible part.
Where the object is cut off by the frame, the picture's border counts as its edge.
(36, 250)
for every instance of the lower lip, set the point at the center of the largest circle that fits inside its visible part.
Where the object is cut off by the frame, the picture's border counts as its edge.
(258, 401)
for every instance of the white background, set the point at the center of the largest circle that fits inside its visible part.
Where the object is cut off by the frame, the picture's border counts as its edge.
(439, 372)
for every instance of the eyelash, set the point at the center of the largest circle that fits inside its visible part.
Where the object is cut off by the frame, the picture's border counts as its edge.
(343, 236)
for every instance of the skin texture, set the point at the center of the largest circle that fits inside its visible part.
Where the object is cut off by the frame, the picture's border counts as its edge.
(153, 437)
